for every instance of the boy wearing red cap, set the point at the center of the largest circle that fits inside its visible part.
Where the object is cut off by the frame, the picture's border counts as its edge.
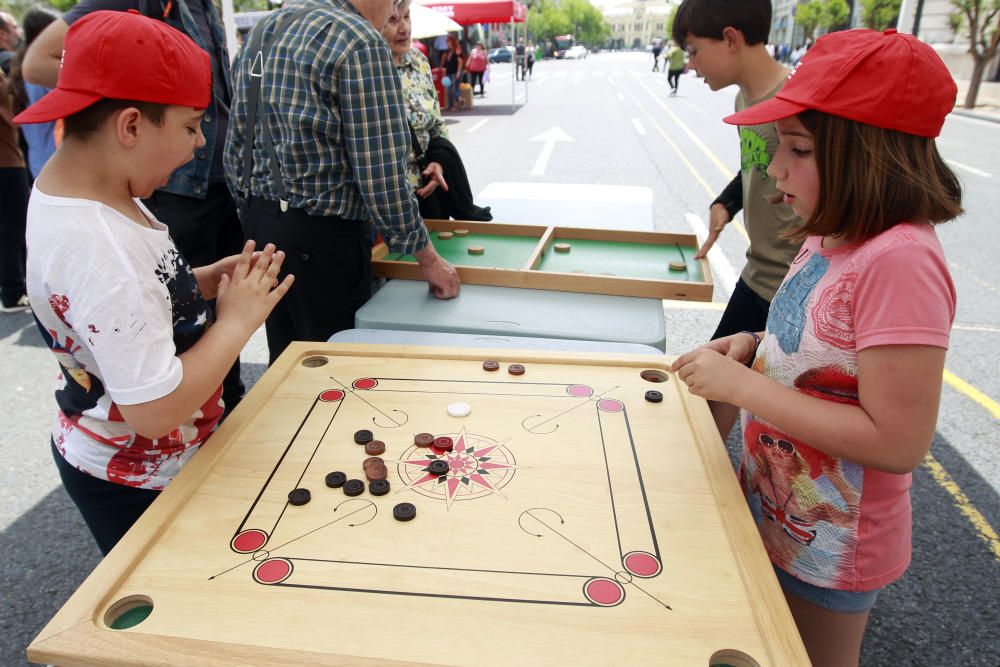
(726, 43)
(116, 303)
(842, 399)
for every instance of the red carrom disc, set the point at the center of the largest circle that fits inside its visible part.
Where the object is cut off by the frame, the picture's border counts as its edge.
(444, 444)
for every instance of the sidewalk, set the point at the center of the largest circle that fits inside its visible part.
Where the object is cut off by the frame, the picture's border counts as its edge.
(987, 102)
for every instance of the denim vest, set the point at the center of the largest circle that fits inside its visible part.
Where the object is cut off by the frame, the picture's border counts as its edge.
(191, 180)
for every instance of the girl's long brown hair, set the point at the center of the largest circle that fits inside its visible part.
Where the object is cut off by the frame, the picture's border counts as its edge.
(872, 179)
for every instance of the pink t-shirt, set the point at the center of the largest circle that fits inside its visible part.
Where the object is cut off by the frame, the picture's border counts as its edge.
(827, 521)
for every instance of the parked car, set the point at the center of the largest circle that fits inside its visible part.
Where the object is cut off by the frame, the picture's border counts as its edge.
(504, 54)
(577, 52)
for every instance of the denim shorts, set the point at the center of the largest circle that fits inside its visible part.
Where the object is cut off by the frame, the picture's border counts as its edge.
(843, 602)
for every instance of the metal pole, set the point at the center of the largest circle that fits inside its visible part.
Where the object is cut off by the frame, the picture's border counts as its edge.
(916, 18)
(513, 62)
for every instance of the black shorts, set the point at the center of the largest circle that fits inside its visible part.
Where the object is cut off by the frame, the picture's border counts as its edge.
(108, 509)
(746, 311)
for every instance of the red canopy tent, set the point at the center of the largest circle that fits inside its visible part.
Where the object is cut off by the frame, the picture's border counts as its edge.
(469, 12)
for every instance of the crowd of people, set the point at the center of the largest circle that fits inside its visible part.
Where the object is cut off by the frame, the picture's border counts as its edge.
(216, 201)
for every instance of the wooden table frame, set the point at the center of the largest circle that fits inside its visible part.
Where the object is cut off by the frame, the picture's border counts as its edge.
(529, 275)
(75, 636)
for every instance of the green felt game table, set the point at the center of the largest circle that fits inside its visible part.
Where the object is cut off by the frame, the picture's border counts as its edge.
(596, 261)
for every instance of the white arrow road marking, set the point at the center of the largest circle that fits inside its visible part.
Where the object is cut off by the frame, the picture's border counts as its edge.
(549, 138)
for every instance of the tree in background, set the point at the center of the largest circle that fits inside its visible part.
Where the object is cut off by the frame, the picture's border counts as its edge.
(814, 14)
(982, 19)
(575, 17)
(880, 14)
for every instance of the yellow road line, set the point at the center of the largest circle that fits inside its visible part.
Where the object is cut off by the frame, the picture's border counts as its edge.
(978, 521)
(726, 172)
(680, 154)
(711, 193)
(970, 392)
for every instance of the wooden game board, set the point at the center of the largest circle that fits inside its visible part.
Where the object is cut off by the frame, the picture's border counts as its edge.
(578, 524)
(600, 261)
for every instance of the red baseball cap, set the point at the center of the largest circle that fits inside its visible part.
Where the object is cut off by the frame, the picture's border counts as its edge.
(124, 56)
(887, 79)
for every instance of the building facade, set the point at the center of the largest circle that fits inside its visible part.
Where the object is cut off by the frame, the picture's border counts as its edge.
(637, 24)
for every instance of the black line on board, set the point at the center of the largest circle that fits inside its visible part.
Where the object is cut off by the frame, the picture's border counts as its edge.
(354, 392)
(614, 572)
(447, 569)
(607, 471)
(294, 539)
(437, 595)
(464, 393)
(274, 470)
(582, 403)
(642, 485)
(551, 384)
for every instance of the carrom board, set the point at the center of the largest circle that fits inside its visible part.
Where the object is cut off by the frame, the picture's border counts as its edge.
(578, 524)
(655, 265)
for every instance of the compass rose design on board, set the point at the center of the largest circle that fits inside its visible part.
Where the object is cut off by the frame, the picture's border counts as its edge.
(478, 466)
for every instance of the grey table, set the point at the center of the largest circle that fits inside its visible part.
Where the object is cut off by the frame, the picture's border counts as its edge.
(506, 311)
(435, 339)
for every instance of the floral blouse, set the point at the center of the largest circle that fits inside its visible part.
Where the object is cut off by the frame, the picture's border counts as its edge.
(422, 108)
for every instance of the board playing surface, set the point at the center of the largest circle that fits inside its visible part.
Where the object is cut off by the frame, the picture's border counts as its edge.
(577, 523)
(597, 257)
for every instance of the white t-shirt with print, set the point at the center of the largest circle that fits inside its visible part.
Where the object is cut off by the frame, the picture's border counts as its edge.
(116, 303)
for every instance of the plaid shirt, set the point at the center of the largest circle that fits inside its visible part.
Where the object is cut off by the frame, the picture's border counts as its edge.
(333, 101)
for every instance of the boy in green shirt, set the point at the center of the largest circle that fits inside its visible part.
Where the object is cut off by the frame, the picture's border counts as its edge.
(726, 43)
(675, 66)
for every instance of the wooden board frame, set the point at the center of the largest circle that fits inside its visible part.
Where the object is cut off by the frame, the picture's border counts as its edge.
(529, 275)
(74, 637)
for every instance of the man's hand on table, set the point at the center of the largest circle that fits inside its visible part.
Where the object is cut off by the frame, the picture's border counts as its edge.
(439, 274)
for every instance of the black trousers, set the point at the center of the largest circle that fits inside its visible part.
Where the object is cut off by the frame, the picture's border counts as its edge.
(331, 260)
(15, 187)
(674, 78)
(475, 77)
(108, 509)
(746, 311)
(205, 231)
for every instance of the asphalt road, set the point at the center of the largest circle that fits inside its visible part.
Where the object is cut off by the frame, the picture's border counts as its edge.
(625, 131)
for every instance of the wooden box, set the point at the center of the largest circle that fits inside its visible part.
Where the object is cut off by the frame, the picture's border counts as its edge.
(599, 261)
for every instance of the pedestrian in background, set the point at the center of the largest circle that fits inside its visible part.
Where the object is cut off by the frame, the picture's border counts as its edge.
(453, 63)
(520, 60)
(657, 49)
(39, 138)
(476, 67)
(675, 66)
(10, 39)
(14, 188)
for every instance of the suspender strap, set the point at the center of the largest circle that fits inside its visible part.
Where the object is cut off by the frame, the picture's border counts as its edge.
(255, 96)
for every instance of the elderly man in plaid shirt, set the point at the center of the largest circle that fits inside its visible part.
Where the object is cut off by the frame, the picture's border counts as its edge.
(332, 108)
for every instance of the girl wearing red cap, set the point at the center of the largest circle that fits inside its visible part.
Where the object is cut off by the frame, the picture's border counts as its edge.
(840, 400)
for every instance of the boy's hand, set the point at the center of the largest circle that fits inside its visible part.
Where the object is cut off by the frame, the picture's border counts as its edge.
(251, 290)
(718, 218)
(710, 374)
(226, 265)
